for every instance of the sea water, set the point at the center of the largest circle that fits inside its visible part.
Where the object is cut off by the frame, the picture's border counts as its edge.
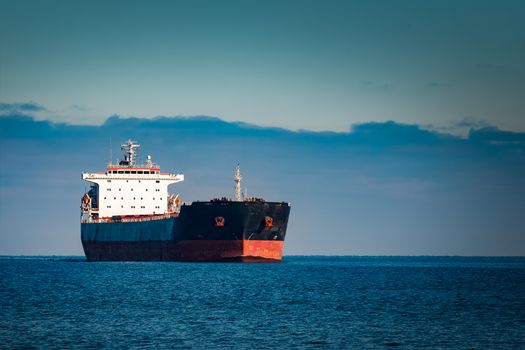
(301, 303)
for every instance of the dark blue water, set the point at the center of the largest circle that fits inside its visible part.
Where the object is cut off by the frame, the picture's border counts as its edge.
(302, 303)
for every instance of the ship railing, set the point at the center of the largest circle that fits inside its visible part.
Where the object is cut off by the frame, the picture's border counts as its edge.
(123, 166)
(157, 176)
(130, 219)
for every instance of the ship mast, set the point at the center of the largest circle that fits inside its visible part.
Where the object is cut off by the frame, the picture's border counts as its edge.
(130, 151)
(237, 179)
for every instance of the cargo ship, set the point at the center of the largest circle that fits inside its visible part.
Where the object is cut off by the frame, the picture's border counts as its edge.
(129, 215)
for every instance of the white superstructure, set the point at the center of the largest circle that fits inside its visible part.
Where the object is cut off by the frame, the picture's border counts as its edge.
(127, 189)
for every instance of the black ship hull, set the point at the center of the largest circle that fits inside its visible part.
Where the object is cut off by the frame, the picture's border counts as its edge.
(203, 231)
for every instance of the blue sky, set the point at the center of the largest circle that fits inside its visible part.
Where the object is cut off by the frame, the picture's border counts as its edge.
(393, 127)
(319, 65)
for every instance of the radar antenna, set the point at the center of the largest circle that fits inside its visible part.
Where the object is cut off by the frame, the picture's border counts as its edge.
(237, 177)
(130, 149)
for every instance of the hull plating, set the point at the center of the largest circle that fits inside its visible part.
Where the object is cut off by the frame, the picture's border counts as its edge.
(205, 250)
(204, 231)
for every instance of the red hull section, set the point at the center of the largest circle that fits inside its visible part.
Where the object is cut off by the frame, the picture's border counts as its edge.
(241, 250)
(188, 250)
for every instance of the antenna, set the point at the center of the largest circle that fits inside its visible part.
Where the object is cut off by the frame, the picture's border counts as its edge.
(237, 177)
(130, 149)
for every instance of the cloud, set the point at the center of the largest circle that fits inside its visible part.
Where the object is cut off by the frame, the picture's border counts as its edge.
(390, 133)
(461, 127)
(472, 123)
(26, 107)
(494, 135)
(79, 108)
(438, 85)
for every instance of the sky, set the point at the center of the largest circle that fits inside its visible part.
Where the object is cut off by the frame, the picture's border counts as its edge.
(296, 64)
(393, 127)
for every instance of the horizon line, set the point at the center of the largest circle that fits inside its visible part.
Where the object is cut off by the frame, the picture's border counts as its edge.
(296, 255)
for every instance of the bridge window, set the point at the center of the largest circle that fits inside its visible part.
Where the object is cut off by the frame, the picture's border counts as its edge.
(126, 172)
(120, 172)
(133, 172)
(140, 172)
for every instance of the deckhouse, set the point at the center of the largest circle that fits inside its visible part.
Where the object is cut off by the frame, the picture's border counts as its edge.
(129, 189)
